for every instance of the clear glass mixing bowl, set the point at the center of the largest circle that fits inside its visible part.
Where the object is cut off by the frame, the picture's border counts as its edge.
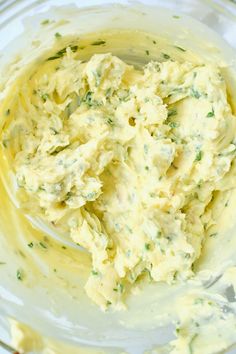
(49, 310)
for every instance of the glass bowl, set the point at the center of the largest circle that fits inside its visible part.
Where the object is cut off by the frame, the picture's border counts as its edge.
(56, 305)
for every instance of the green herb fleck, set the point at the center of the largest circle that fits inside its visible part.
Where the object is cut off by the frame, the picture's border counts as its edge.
(146, 168)
(57, 35)
(88, 98)
(109, 121)
(147, 246)
(165, 56)
(45, 22)
(109, 302)
(154, 42)
(108, 92)
(55, 132)
(8, 111)
(54, 57)
(227, 203)
(198, 156)
(213, 235)
(73, 48)
(55, 270)
(171, 112)
(61, 52)
(5, 142)
(98, 42)
(94, 272)
(145, 148)
(173, 124)
(175, 16)
(195, 93)
(19, 274)
(42, 245)
(120, 287)
(31, 245)
(180, 48)
(2, 263)
(211, 114)
(44, 97)
(97, 75)
(64, 247)
(147, 52)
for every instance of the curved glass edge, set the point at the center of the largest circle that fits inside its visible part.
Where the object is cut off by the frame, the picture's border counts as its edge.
(13, 8)
(219, 15)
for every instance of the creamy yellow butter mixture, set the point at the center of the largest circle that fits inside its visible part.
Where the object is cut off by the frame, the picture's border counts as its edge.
(135, 166)
(125, 160)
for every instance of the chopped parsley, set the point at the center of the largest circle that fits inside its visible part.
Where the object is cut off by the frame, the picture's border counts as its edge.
(61, 52)
(99, 42)
(176, 17)
(7, 112)
(44, 97)
(119, 288)
(213, 235)
(180, 48)
(30, 245)
(211, 114)
(57, 35)
(94, 272)
(19, 274)
(154, 42)
(55, 132)
(109, 121)
(173, 124)
(108, 92)
(97, 76)
(64, 247)
(42, 245)
(147, 52)
(165, 56)
(147, 246)
(198, 156)
(109, 302)
(194, 93)
(5, 142)
(172, 112)
(88, 98)
(45, 22)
